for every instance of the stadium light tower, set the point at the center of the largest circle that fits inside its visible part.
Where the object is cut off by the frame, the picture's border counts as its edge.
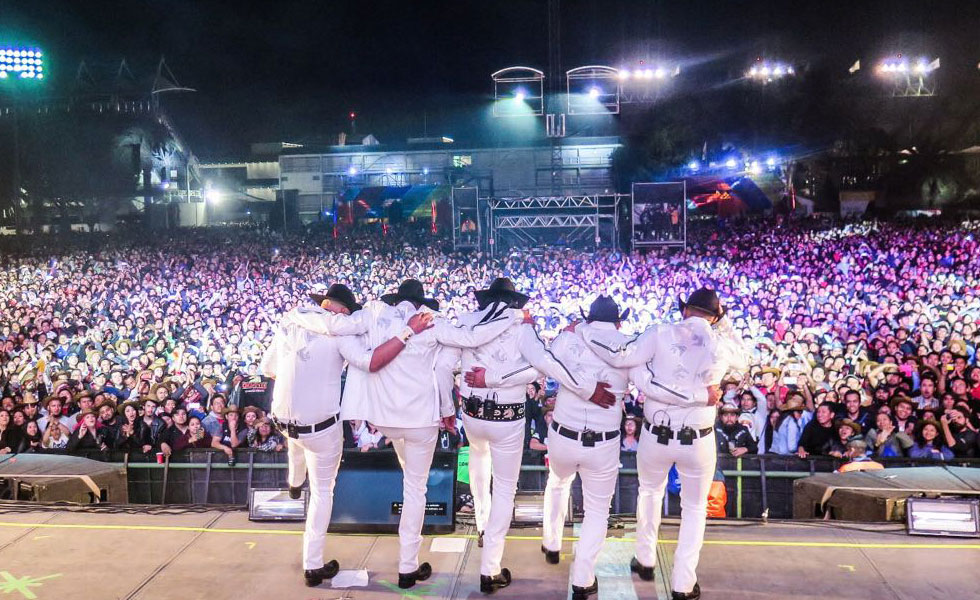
(20, 67)
(765, 71)
(643, 81)
(22, 64)
(909, 77)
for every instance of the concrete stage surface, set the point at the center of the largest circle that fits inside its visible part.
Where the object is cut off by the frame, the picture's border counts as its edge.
(163, 553)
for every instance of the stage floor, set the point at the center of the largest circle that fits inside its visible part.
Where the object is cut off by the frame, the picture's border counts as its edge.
(162, 554)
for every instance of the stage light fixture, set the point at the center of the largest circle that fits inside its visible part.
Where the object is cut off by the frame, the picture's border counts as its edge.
(23, 63)
(694, 165)
(730, 163)
(766, 71)
(770, 162)
(519, 95)
(958, 517)
(594, 92)
(352, 170)
(648, 73)
(425, 170)
(660, 73)
(624, 74)
(754, 168)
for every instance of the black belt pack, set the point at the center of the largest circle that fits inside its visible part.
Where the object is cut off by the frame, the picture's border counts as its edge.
(685, 435)
(489, 410)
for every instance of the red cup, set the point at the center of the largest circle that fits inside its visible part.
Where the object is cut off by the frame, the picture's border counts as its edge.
(160, 458)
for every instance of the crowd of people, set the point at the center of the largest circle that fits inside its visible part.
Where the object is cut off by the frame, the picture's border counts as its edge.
(858, 332)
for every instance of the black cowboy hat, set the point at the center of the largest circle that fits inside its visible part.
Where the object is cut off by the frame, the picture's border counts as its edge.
(340, 293)
(411, 290)
(704, 300)
(500, 290)
(606, 310)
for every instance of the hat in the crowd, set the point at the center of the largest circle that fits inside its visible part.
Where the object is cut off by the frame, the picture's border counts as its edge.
(605, 309)
(412, 291)
(61, 375)
(156, 386)
(231, 408)
(899, 399)
(704, 300)
(25, 402)
(253, 409)
(83, 394)
(921, 425)
(159, 362)
(746, 418)
(794, 403)
(146, 399)
(121, 409)
(105, 401)
(47, 400)
(729, 379)
(208, 380)
(890, 369)
(339, 293)
(729, 408)
(855, 427)
(501, 290)
(86, 411)
(772, 371)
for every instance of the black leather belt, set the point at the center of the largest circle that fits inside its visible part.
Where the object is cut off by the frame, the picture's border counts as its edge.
(588, 438)
(686, 434)
(294, 431)
(489, 410)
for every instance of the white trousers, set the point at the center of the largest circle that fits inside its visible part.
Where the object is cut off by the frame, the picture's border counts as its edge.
(414, 446)
(496, 448)
(598, 467)
(319, 453)
(696, 470)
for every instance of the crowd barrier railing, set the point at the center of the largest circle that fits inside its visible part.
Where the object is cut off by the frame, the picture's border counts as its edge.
(756, 485)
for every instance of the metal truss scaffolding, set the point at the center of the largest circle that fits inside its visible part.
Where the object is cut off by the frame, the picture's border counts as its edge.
(586, 221)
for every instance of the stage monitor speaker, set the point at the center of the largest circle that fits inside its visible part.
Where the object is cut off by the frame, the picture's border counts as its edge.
(56, 478)
(274, 504)
(368, 494)
(877, 495)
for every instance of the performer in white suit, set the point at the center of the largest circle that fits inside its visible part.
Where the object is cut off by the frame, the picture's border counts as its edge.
(585, 434)
(307, 368)
(403, 399)
(494, 422)
(678, 367)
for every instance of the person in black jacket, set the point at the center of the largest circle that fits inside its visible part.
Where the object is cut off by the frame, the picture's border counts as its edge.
(30, 441)
(86, 437)
(732, 437)
(818, 434)
(10, 434)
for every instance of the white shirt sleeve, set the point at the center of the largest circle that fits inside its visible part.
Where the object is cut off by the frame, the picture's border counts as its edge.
(637, 351)
(519, 375)
(731, 347)
(327, 323)
(463, 336)
(549, 362)
(355, 351)
(270, 363)
(446, 360)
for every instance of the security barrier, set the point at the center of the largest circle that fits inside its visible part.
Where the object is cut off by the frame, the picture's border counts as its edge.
(757, 485)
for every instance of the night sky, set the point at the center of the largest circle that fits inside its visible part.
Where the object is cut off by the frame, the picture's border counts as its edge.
(289, 70)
